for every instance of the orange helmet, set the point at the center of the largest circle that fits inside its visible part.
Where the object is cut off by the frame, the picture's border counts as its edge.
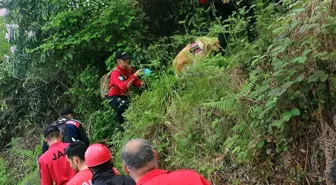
(97, 154)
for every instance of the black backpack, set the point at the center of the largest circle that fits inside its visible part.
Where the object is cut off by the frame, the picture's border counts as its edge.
(61, 124)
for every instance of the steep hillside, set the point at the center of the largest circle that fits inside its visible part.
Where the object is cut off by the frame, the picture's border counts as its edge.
(261, 114)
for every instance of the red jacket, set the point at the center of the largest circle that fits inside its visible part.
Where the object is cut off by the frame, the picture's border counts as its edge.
(121, 80)
(81, 178)
(179, 177)
(84, 177)
(54, 167)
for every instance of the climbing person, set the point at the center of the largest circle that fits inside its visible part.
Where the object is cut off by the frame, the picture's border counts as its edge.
(99, 160)
(140, 161)
(222, 9)
(71, 129)
(75, 156)
(122, 78)
(75, 127)
(53, 165)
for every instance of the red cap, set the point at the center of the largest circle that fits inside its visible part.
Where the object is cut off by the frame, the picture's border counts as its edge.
(97, 154)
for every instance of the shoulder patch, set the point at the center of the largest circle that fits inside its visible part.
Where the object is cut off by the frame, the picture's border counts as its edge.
(75, 123)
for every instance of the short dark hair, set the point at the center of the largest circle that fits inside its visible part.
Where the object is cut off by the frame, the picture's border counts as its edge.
(138, 158)
(76, 149)
(53, 135)
(50, 129)
(66, 111)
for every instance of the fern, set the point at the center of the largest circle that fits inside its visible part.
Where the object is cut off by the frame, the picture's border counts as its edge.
(247, 89)
(225, 105)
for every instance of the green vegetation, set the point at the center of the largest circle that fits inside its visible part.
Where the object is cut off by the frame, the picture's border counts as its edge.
(4, 47)
(263, 113)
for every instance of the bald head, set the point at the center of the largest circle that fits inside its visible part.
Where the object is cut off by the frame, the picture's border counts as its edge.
(137, 153)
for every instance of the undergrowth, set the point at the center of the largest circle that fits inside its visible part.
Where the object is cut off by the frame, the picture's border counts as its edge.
(261, 114)
(253, 113)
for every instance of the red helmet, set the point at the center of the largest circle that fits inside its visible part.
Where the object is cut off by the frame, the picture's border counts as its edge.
(97, 154)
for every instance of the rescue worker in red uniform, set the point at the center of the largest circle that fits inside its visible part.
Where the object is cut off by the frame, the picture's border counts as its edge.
(140, 161)
(121, 79)
(53, 164)
(99, 160)
(75, 155)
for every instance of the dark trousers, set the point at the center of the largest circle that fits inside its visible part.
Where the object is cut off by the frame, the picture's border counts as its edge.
(224, 10)
(119, 104)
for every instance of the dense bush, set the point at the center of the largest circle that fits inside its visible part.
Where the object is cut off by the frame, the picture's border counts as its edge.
(262, 113)
(268, 111)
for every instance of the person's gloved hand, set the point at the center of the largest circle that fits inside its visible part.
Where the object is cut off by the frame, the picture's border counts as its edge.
(138, 72)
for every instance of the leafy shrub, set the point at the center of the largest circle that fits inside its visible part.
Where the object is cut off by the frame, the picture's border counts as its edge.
(263, 111)
(3, 172)
(21, 160)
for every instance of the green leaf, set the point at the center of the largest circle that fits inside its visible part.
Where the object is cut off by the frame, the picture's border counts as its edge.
(242, 11)
(307, 27)
(278, 50)
(317, 18)
(278, 123)
(306, 52)
(299, 78)
(214, 124)
(298, 9)
(271, 103)
(288, 41)
(294, 23)
(261, 144)
(229, 142)
(286, 86)
(278, 30)
(318, 75)
(276, 63)
(275, 92)
(301, 59)
(286, 116)
(295, 112)
(237, 149)
(107, 39)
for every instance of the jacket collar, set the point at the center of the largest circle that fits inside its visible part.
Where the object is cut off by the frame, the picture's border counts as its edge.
(151, 174)
(55, 144)
(103, 175)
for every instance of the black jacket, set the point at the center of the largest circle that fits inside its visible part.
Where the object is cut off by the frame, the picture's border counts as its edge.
(74, 130)
(107, 177)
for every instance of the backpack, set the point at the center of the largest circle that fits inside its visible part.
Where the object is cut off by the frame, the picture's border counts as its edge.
(61, 124)
(105, 85)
